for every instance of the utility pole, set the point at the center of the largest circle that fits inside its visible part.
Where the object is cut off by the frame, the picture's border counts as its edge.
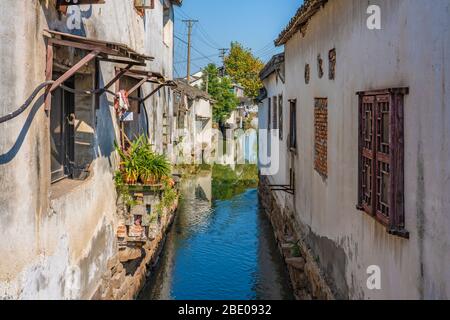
(190, 24)
(223, 52)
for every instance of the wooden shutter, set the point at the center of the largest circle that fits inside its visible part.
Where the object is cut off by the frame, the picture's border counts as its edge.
(280, 115)
(381, 157)
(274, 113)
(366, 153)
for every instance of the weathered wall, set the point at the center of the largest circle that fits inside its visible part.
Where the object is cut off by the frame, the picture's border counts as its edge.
(279, 157)
(57, 239)
(412, 50)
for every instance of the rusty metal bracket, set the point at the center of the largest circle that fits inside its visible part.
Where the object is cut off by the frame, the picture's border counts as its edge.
(119, 75)
(284, 188)
(137, 86)
(153, 92)
(69, 73)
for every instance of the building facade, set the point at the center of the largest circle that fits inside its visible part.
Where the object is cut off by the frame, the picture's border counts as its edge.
(369, 111)
(194, 125)
(57, 158)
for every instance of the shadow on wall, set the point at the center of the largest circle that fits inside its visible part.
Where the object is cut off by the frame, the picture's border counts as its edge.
(63, 23)
(7, 157)
(104, 127)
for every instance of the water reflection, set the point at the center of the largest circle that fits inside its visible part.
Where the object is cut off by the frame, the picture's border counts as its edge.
(221, 246)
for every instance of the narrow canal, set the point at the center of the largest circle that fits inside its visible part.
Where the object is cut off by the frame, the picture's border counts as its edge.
(221, 246)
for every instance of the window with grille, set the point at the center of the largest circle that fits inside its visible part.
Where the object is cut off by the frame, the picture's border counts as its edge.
(381, 157)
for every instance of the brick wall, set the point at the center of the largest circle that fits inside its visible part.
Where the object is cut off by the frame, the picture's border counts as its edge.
(321, 136)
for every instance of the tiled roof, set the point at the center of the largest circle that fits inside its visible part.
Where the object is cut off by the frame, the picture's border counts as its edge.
(304, 13)
(272, 66)
(190, 91)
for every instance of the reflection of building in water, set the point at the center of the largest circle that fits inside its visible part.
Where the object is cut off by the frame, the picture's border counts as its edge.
(197, 201)
(203, 190)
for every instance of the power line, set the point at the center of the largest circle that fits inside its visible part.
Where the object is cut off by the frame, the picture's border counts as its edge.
(208, 37)
(197, 59)
(193, 48)
(201, 29)
(204, 41)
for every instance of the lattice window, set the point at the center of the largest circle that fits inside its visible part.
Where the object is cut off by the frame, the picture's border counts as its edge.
(381, 157)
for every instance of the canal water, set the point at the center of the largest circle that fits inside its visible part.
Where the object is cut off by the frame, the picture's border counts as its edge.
(221, 246)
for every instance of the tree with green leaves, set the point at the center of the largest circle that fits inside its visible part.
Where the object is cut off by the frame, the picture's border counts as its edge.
(221, 90)
(244, 68)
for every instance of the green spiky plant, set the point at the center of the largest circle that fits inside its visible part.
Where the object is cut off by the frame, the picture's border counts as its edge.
(140, 164)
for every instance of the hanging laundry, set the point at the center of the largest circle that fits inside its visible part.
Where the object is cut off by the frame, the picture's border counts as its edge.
(121, 103)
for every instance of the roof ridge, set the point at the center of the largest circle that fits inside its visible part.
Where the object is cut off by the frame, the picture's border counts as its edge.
(307, 10)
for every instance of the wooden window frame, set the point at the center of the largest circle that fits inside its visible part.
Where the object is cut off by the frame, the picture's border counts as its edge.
(280, 116)
(293, 126)
(372, 107)
(274, 112)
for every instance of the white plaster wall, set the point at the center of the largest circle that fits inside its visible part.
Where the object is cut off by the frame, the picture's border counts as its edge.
(203, 108)
(275, 87)
(412, 50)
(55, 248)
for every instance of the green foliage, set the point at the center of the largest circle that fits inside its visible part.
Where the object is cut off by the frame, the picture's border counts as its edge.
(170, 195)
(221, 90)
(140, 163)
(227, 183)
(122, 190)
(244, 68)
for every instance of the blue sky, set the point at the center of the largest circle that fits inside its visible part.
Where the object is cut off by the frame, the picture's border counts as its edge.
(254, 23)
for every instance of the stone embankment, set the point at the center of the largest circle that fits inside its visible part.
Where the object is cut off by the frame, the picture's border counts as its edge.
(306, 277)
(138, 250)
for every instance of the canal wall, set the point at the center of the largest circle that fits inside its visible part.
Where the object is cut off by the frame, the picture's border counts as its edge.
(131, 265)
(307, 278)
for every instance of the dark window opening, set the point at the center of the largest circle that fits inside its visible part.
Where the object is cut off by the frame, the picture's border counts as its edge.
(332, 64)
(280, 115)
(293, 125)
(62, 117)
(72, 126)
